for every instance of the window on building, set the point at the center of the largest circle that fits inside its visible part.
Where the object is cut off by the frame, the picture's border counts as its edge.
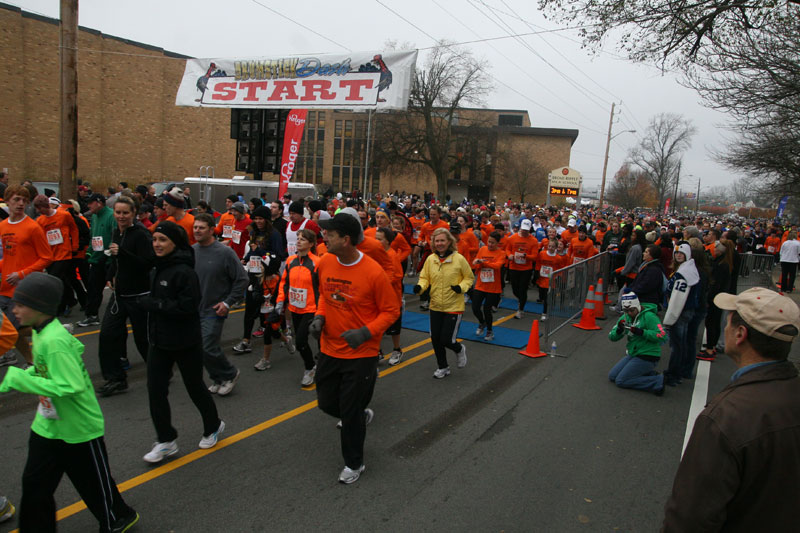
(348, 128)
(321, 120)
(509, 120)
(337, 129)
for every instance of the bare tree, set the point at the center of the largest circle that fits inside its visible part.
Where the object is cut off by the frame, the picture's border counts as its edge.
(423, 135)
(660, 151)
(523, 175)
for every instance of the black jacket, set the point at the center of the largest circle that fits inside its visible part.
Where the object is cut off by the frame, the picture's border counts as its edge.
(131, 267)
(720, 278)
(649, 283)
(173, 303)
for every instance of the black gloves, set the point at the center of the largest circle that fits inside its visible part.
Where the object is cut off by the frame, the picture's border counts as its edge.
(356, 337)
(637, 331)
(456, 288)
(417, 289)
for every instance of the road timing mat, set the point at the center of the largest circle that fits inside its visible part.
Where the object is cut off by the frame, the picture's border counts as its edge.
(505, 303)
(511, 338)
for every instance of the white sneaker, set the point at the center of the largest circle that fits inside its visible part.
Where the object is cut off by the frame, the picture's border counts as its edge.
(308, 377)
(263, 364)
(213, 388)
(242, 347)
(518, 314)
(489, 336)
(348, 476)
(370, 414)
(226, 387)
(290, 344)
(543, 318)
(211, 440)
(441, 373)
(461, 357)
(161, 450)
(396, 357)
(480, 331)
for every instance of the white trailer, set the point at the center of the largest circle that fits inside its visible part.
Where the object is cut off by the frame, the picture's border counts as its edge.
(215, 190)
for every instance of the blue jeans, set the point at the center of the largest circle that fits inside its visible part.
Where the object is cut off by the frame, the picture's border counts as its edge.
(218, 367)
(687, 366)
(678, 343)
(636, 373)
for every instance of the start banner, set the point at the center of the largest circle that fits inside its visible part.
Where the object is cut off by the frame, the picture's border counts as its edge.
(358, 80)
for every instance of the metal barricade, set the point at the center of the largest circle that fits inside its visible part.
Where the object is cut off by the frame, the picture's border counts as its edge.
(756, 271)
(568, 288)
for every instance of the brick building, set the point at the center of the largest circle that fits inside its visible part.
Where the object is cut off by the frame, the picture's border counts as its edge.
(130, 128)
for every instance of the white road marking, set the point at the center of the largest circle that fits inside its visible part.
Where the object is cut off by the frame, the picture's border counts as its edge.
(699, 398)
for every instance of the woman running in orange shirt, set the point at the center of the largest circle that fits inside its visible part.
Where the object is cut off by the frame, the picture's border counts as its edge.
(488, 264)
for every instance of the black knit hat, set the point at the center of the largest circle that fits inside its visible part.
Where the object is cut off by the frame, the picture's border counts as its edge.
(175, 233)
(262, 212)
(39, 291)
(296, 207)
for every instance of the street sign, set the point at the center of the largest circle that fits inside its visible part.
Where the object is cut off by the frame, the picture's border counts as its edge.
(564, 181)
(563, 191)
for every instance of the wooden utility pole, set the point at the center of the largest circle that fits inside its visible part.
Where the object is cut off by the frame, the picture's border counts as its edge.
(605, 159)
(68, 160)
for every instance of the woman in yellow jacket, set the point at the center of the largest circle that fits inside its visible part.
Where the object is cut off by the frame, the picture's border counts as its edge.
(446, 275)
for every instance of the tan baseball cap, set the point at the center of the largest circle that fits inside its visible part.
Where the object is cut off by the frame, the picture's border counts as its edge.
(765, 310)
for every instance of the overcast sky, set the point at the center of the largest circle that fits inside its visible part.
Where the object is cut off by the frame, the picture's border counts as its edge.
(549, 75)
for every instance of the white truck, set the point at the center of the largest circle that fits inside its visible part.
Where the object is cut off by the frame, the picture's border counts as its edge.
(215, 190)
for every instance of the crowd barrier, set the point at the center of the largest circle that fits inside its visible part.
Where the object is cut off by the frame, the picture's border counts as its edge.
(568, 288)
(755, 271)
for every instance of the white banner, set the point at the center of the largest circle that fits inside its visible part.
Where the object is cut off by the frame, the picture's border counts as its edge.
(345, 81)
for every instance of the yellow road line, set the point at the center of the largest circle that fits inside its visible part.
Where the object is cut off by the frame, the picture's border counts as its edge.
(233, 439)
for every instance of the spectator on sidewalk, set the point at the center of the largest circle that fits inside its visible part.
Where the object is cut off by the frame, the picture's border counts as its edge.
(790, 256)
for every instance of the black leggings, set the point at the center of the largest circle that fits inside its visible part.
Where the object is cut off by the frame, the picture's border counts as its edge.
(300, 323)
(444, 330)
(482, 303)
(252, 311)
(520, 279)
(543, 297)
(713, 325)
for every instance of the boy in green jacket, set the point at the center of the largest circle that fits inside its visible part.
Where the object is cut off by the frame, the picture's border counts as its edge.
(642, 327)
(67, 431)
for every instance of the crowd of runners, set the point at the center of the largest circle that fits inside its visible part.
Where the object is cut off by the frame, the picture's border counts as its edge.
(324, 278)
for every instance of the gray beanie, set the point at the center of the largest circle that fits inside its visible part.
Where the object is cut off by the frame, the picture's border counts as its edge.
(39, 291)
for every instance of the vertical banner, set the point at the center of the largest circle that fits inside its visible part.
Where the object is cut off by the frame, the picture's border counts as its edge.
(782, 206)
(666, 206)
(293, 133)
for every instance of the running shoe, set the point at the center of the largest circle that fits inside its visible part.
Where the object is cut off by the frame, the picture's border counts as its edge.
(308, 377)
(290, 344)
(8, 358)
(243, 347)
(543, 317)
(489, 336)
(461, 357)
(88, 321)
(424, 306)
(258, 333)
(211, 440)
(161, 450)
(441, 373)
(226, 386)
(263, 364)
(518, 314)
(7, 510)
(368, 413)
(480, 331)
(348, 475)
(213, 388)
(113, 387)
(121, 525)
(126, 365)
(396, 357)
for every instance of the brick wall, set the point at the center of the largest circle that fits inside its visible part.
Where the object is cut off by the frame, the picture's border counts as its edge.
(129, 127)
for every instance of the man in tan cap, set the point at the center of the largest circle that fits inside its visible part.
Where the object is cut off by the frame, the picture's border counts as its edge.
(740, 469)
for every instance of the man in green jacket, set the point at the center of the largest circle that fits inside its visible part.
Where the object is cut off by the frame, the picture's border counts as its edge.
(103, 225)
(67, 431)
(642, 327)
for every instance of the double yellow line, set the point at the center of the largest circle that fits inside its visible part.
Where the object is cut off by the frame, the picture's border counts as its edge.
(233, 439)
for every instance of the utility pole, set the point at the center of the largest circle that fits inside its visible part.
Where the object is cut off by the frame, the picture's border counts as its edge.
(605, 159)
(68, 156)
(677, 180)
(697, 198)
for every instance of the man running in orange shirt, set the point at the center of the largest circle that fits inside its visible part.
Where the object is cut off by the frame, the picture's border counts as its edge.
(357, 304)
(25, 250)
(581, 247)
(62, 236)
(174, 205)
(522, 249)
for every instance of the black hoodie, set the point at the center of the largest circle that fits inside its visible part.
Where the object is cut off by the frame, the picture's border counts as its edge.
(131, 267)
(174, 302)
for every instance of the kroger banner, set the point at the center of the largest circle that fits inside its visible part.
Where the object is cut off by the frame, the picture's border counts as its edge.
(376, 80)
(292, 136)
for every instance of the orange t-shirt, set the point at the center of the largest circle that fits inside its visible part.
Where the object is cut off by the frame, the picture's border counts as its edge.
(351, 297)
(487, 273)
(226, 219)
(468, 245)
(397, 274)
(401, 247)
(302, 287)
(25, 250)
(374, 249)
(598, 237)
(427, 230)
(370, 232)
(416, 224)
(581, 249)
(547, 265)
(522, 251)
(772, 244)
(61, 233)
(186, 223)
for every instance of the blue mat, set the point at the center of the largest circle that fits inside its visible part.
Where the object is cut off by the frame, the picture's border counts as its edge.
(505, 303)
(511, 338)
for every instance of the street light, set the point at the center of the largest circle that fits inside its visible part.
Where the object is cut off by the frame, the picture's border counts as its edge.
(605, 160)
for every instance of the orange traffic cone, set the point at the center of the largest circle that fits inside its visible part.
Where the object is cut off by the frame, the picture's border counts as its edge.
(599, 308)
(532, 350)
(587, 315)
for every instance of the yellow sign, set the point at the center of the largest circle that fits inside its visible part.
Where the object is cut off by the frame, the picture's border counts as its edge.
(563, 191)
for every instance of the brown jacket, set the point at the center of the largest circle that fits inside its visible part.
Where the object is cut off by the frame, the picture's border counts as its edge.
(741, 468)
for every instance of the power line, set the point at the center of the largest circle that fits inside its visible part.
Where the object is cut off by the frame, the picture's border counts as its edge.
(293, 21)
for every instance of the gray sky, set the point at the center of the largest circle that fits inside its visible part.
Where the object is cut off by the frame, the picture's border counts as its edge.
(548, 74)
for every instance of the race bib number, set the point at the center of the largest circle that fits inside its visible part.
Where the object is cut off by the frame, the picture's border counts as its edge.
(577, 260)
(771, 249)
(298, 297)
(226, 232)
(97, 244)
(487, 275)
(520, 258)
(54, 237)
(254, 264)
(291, 248)
(46, 408)
(236, 236)
(545, 271)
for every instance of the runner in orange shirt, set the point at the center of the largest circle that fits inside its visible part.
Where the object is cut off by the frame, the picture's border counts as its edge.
(174, 205)
(581, 248)
(488, 265)
(416, 224)
(522, 250)
(356, 306)
(226, 220)
(62, 236)
(548, 262)
(386, 237)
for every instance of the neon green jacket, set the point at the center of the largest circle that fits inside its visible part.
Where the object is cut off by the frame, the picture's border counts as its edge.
(68, 408)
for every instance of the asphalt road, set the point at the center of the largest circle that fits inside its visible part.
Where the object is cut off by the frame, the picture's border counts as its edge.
(506, 444)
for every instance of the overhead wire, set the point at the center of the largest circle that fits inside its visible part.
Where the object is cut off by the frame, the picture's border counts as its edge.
(293, 21)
